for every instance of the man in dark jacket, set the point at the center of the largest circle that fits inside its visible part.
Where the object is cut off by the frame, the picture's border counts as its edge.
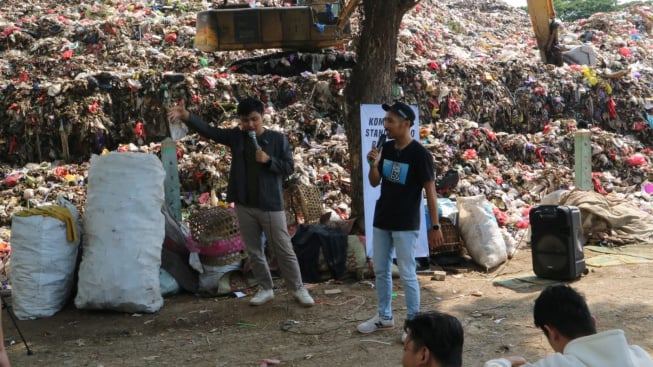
(260, 160)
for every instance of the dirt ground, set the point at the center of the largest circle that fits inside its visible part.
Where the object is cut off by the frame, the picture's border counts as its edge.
(194, 331)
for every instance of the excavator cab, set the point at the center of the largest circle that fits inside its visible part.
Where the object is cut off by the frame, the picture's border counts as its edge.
(312, 26)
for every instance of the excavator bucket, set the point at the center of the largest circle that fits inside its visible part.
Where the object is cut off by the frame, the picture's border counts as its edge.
(206, 37)
(312, 27)
(546, 30)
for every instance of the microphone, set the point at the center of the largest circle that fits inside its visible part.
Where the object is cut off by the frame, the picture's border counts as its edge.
(252, 134)
(381, 141)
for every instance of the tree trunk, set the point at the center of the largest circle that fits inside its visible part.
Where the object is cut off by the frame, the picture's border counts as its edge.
(371, 81)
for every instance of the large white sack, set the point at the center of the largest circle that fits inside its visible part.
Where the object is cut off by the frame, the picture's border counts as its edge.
(42, 263)
(480, 230)
(123, 233)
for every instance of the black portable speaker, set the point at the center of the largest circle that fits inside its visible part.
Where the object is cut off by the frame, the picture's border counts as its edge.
(556, 235)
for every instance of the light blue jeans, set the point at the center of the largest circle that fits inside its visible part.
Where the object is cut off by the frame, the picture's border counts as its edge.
(405, 244)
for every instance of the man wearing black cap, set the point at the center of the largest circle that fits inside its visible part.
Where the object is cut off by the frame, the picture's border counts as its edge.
(403, 167)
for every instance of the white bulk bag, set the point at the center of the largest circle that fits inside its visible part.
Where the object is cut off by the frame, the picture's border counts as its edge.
(42, 263)
(123, 234)
(480, 230)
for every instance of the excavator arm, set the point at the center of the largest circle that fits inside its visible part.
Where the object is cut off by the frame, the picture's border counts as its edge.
(546, 27)
(347, 12)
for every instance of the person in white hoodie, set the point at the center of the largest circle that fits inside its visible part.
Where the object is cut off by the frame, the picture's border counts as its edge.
(567, 323)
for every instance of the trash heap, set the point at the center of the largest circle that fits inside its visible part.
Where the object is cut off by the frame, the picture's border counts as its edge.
(81, 78)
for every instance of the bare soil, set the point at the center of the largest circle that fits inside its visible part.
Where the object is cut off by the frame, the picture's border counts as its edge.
(196, 331)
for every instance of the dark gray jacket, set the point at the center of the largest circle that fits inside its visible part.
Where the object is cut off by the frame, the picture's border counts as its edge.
(273, 143)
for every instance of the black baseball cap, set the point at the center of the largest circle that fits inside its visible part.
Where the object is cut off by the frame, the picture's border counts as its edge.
(401, 109)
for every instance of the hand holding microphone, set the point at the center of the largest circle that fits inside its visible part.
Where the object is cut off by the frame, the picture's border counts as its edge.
(261, 156)
(252, 135)
(375, 154)
(381, 141)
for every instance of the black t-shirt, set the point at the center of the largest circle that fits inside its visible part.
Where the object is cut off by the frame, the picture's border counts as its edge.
(403, 174)
(253, 169)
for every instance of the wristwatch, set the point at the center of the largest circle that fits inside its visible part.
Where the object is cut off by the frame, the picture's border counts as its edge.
(436, 227)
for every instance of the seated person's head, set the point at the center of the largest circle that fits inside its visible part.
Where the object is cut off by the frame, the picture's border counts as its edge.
(563, 315)
(433, 339)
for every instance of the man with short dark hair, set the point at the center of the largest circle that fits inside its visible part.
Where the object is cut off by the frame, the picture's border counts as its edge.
(568, 325)
(433, 339)
(260, 160)
(405, 170)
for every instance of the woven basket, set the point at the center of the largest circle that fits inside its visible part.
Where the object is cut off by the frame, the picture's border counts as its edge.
(453, 243)
(223, 260)
(305, 203)
(210, 225)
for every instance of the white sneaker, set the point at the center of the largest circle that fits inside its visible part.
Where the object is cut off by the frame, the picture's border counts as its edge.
(262, 296)
(303, 297)
(374, 324)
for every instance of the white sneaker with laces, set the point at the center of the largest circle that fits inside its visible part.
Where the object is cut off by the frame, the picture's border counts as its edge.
(262, 296)
(374, 324)
(303, 297)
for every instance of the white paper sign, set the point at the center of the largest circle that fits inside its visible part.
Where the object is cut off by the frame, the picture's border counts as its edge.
(372, 116)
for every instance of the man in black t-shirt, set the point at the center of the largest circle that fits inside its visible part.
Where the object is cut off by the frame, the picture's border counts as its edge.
(404, 168)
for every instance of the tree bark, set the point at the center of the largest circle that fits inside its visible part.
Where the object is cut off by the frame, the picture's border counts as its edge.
(371, 81)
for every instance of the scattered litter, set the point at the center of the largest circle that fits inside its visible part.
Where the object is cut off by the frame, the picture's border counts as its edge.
(286, 325)
(439, 275)
(269, 362)
(245, 324)
(332, 291)
(374, 341)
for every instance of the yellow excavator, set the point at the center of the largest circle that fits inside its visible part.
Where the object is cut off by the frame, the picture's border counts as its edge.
(310, 25)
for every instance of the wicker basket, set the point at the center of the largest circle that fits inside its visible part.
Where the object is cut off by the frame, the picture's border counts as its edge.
(210, 225)
(304, 203)
(453, 242)
(223, 260)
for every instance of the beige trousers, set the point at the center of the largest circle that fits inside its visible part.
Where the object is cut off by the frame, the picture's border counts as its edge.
(253, 222)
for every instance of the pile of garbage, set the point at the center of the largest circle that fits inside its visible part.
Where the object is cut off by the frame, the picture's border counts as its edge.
(84, 78)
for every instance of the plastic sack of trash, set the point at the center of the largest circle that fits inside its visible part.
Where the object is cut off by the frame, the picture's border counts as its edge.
(43, 257)
(480, 231)
(123, 234)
